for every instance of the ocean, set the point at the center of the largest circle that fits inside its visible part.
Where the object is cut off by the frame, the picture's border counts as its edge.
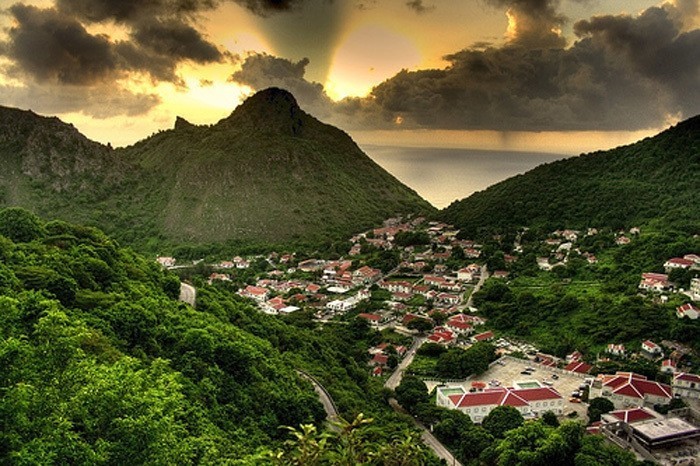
(442, 176)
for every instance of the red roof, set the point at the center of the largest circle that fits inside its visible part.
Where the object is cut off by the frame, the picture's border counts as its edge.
(537, 394)
(380, 359)
(578, 367)
(687, 377)
(635, 385)
(459, 325)
(631, 416)
(681, 261)
(372, 317)
(484, 336)
(255, 290)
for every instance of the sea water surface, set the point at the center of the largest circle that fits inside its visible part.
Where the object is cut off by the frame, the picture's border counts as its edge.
(444, 175)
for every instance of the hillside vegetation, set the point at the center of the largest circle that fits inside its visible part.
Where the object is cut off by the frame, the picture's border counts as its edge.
(269, 173)
(100, 364)
(653, 182)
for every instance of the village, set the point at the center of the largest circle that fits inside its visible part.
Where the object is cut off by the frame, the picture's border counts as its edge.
(425, 295)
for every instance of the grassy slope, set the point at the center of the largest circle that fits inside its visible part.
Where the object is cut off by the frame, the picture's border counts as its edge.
(653, 181)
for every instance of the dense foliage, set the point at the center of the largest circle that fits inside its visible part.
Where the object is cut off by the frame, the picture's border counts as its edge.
(652, 181)
(99, 364)
(585, 307)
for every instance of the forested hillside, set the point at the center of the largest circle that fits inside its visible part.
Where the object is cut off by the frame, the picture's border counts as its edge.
(268, 173)
(653, 182)
(100, 364)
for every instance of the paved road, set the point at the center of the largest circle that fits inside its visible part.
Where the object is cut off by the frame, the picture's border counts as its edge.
(395, 379)
(477, 287)
(188, 294)
(437, 447)
(324, 397)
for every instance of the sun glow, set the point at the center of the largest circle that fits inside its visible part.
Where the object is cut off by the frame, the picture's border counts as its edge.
(368, 55)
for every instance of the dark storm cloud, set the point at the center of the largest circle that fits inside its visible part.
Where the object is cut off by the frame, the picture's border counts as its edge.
(623, 73)
(260, 71)
(175, 39)
(51, 46)
(419, 7)
(265, 7)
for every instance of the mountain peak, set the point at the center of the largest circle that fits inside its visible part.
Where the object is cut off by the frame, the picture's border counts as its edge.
(271, 109)
(181, 123)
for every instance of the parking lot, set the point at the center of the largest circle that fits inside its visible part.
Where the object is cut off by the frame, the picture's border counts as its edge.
(508, 371)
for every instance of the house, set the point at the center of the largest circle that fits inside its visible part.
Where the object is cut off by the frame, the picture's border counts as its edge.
(626, 389)
(166, 261)
(651, 349)
(629, 416)
(340, 305)
(687, 310)
(255, 292)
(226, 265)
(373, 319)
(397, 286)
(355, 250)
(654, 282)
(311, 265)
(485, 336)
(448, 299)
(241, 263)
(219, 276)
(693, 257)
(366, 275)
(686, 385)
(441, 335)
(530, 402)
(621, 240)
(500, 274)
(459, 326)
(379, 359)
(469, 273)
(668, 366)
(678, 263)
(616, 350)
(275, 304)
(578, 367)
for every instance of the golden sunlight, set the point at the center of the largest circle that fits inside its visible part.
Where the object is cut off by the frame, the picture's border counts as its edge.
(367, 56)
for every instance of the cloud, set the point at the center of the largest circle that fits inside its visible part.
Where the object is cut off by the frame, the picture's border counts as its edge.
(265, 7)
(260, 71)
(623, 73)
(419, 7)
(533, 23)
(102, 101)
(54, 47)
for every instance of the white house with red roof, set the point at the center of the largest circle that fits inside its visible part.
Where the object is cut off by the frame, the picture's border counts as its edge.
(695, 289)
(678, 263)
(448, 299)
(366, 274)
(531, 402)
(373, 319)
(656, 282)
(687, 310)
(616, 350)
(442, 336)
(626, 389)
(651, 349)
(575, 356)
(255, 292)
(686, 385)
(460, 323)
(668, 366)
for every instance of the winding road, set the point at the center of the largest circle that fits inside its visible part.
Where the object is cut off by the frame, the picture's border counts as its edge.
(325, 398)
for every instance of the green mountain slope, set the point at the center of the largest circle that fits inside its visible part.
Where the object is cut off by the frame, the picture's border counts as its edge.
(654, 181)
(267, 173)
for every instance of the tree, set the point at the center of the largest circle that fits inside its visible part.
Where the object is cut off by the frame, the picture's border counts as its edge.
(502, 419)
(422, 325)
(550, 419)
(411, 392)
(20, 225)
(597, 407)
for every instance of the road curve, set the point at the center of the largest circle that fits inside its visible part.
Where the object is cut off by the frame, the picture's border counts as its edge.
(188, 294)
(324, 397)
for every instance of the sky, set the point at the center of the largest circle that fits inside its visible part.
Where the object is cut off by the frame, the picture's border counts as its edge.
(564, 76)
